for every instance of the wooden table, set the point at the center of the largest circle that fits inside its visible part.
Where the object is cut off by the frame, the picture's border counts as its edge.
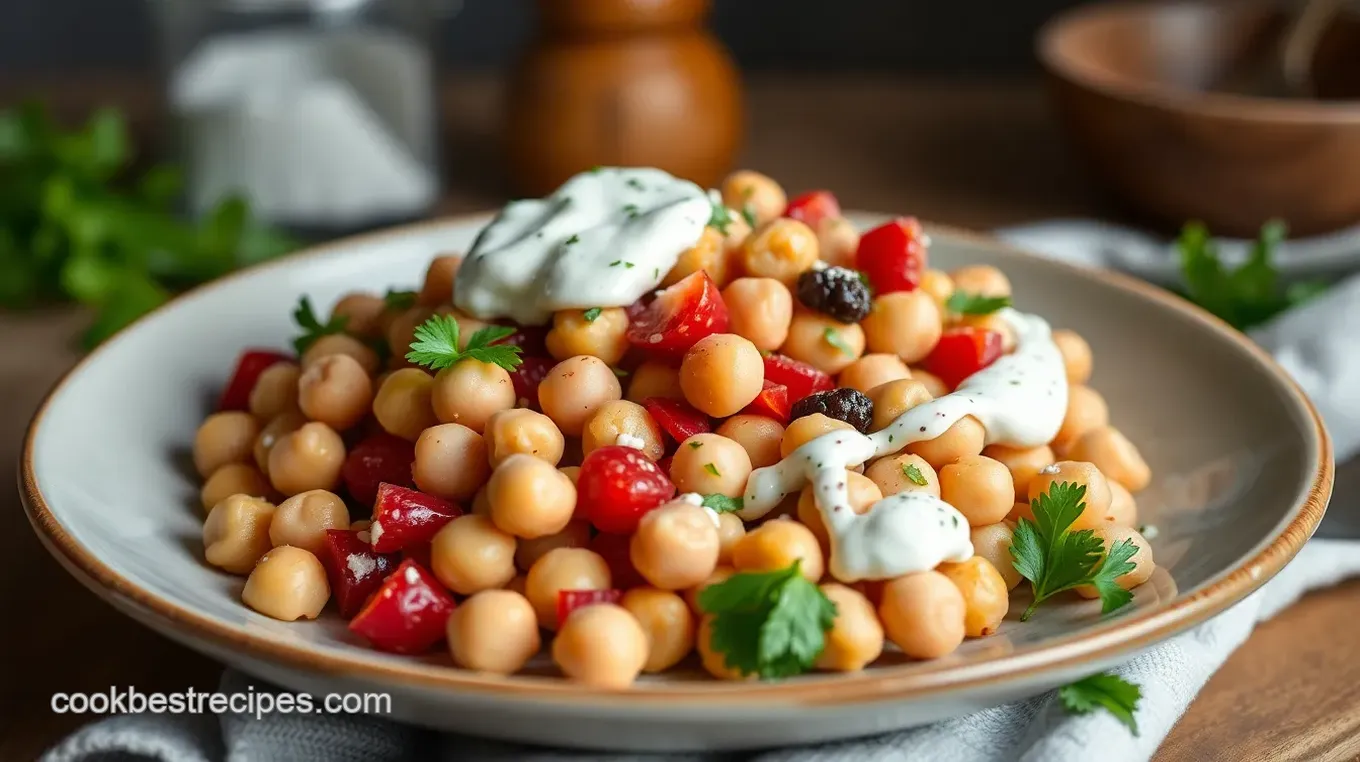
(978, 155)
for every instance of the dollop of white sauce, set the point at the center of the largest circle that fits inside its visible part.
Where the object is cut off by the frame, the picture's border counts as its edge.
(603, 239)
(1020, 400)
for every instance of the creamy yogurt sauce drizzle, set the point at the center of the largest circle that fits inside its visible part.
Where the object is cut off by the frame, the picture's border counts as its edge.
(1020, 399)
(603, 239)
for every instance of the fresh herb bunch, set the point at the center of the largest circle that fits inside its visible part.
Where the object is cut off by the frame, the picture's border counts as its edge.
(75, 226)
(1105, 691)
(1246, 296)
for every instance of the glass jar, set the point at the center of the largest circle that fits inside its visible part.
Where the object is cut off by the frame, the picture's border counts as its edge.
(322, 113)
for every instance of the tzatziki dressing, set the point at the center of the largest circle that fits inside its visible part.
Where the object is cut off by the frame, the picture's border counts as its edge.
(604, 239)
(1020, 400)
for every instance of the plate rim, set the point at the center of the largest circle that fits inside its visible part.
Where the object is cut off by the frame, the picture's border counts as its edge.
(1107, 641)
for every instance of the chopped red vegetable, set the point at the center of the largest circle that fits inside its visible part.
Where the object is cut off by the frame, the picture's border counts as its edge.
(376, 459)
(772, 402)
(679, 317)
(353, 569)
(570, 600)
(530, 338)
(528, 376)
(407, 614)
(613, 548)
(676, 417)
(813, 207)
(893, 255)
(798, 377)
(404, 518)
(251, 364)
(419, 553)
(617, 485)
(961, 352)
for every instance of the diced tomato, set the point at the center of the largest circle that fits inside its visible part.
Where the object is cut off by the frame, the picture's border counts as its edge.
(799, 378)
(893, 255)
(353, 569)
(813, 207)
(772, 402)
(679, 317)
(613, 548)
(570, 600)
(532, 339)
(528, 375)
(404, 518)
(419, 553)
(676, 418)
(378, 458)
(249, 366)
(961, 352)
(617, 485)
(408, 612)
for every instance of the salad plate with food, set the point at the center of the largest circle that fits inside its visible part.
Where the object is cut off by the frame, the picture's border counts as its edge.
(643, 465)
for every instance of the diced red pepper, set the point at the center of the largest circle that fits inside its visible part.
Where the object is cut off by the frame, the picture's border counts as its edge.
(376, 459)
(353, 569)
(420, 554)
(893, 255)
(676, 418)
(614, 549)
(404, 518)
(408, 612)
(249, 366)
(813, 207)
(617, 485)
(532, 339)
(799, 378)
(961, 352)
(679, 317)
(570, 600)
(528, 375)
(772, 402)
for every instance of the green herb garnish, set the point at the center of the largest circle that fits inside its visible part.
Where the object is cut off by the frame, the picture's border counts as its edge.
(748, 212)
(695, 445)
(312, 328)
(1105, 691)
(771, 624)
(633, 183)
(712, 469)
(436, 345)
(631, 210)
(833, 337)
(627, 265)
(399, 300)
(722, 503)
(961, 303)
(592, 314)
(573, 239)
(913, 473)
(721, 218)
(1249, 295)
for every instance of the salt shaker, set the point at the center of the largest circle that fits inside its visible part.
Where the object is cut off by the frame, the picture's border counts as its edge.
(321, 112)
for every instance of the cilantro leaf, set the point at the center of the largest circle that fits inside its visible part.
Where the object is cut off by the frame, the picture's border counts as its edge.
(312, 328)
(721, 218)
(1248, 295)
(592, 314)
(962, 303)
(712, 469)
(437, 339)
(771, 624)
(399, 300)
(722, 503)
(1105, 691)
(913, 473)
(748, 212)
(1117, 562)
(833, 337)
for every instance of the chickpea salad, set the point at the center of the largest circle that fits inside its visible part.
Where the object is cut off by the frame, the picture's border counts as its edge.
(648, 425)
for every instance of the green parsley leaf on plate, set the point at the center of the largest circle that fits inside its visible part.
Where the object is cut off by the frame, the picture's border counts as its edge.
(913, 473)
(313, 328)
(833, 337)
(770, 624)
(962, 303)
(721, 218)
(436, 345)
(399, 300)
(1246, 296)
(592, 314)
(1105, 691)
(722, 503)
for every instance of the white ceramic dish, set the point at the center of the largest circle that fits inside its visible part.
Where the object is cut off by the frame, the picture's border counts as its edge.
(1243, 468)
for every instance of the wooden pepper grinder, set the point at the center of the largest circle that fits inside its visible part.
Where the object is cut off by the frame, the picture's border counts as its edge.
(622, 83)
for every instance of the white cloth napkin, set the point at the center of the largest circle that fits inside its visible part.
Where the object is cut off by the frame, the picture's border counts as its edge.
(1311, 342)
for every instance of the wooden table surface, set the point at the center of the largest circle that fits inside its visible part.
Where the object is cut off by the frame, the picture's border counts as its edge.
(977, 155)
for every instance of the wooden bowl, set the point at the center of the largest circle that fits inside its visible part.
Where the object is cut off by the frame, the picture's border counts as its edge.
(1137, 86)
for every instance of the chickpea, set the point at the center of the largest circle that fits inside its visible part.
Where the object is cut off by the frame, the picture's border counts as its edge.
(288, 583)
(302, 520)
(1023, 463)
(403, 404)
(981, 280)
(576, 534)
(856, 636)
(894, 398)
(233, 479)
(276, 391)
(932, 382)
(336, 391)
(655, 379)
(979, 487)
(306, 459)
(602, 646)
(360, 526)
(782, 249)
(522, 431)
(236, 533)
(1114, 455)
(965, 437)
(401, 331)
(450, 462)
(711, 463)
(563, 569)
(873, 370)
(471, 391)
(1086, 410)
(516, 585)
(720, 574)
(863, 493)
(574, 389)
(993, 543)
(621, 417)
(761, 195)
(838, 241)
(923, 614)
(342, 344)
(758, 436)
(939, 285)
(989, 322)
(1097, 490)
(493, 631)
(605, 336)
(667, 623)
(708, 254)
(676, 546)
(985, 595)
(439, 278)
(730, 531)
(1123, 508)
(363, 314)
(529, 497)
(809, 427)
(470, 554)
(714, 662)
(224, 438)
(722, 374)
(777, 545)
(759, 309)
(903, 323)
(823, 343)
(1076, 355)
(571, 472)
(1143, 565)
(894, 474)
(281, 424)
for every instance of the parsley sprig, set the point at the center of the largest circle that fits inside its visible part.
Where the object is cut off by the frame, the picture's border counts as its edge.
(436, 345)
(1054, 559)
(592, 314)
(1105, 691)
(912, 472)
(721, 218)
(833, 337)
(771, 624)
(963, 303)
(722, 503)
(1246, 296)
(312, 327)
(399, 300)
